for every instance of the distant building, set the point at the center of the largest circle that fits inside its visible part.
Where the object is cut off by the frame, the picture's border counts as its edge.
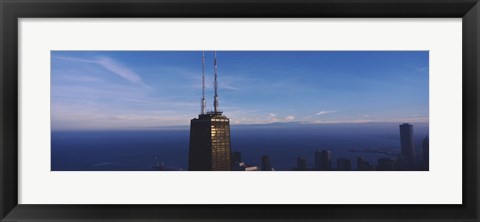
(360, 162)
(363, 164)
(158, 166)
(344, 164)
(266, 165)
(426, 154)
(385, 164)
(407, 145)
(323, 160)
(301, 163)
(236, 157)
(399, 163)
(238, 166)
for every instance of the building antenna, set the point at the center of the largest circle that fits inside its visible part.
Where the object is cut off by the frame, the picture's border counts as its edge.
(204, 103)
(215, 102)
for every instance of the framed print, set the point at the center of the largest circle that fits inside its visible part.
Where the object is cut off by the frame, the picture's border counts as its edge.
(154, 110)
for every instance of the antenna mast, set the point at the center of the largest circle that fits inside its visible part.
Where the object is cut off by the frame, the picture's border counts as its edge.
(215, 102)
(204, 104)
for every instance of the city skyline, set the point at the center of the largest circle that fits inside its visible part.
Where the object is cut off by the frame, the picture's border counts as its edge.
(142, 90)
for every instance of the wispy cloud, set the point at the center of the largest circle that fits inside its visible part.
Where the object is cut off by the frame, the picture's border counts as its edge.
(111, 65)
(323, 112)
(255, 117)
(68, 116)
(272, 118)
(73, 59)
(395, 120)
(341, 121)
(119, 69)
(363, 115)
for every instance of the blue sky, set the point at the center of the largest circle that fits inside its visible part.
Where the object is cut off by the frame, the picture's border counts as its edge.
(149, 89)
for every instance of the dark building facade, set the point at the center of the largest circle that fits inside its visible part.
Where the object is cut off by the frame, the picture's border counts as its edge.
(210, 143)
(266, 165)
(363, 164)
(385, 164)
(426, 154)
(344, 164)
(407, 145)
(323, 160)
(301, 163)
(236, 160)
(236, 157)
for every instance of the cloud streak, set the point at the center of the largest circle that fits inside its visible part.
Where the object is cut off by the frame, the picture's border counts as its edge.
(111, 65)
(364, 115)
(323, 112)
(119, 69)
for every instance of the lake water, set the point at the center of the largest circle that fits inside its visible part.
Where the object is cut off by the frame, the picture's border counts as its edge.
(140, 150)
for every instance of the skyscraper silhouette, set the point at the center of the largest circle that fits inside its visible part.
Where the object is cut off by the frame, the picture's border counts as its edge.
(363, 164)
(301, 163)
(210, 135)
(266, 165)
(323, 160)
(385, 164)
(407, 145)
(236, 157)
(426, 154)
(344, 164)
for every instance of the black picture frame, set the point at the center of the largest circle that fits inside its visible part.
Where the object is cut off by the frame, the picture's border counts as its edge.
(11, 11)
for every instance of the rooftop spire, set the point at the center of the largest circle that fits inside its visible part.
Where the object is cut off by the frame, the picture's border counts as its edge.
(204, 104)
(215, 102)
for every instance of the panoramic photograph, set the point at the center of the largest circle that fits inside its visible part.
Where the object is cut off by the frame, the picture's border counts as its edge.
(239, 110)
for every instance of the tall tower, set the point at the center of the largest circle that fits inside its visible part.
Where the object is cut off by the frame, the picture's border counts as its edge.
(210, 137)
(344, 164)
(204, 103)
(215, 98)
(426, 154)
(323, 160)
(407, 145)
(266, 165)
(301, 164)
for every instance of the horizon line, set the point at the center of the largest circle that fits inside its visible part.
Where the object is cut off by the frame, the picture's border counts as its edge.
(183, 127)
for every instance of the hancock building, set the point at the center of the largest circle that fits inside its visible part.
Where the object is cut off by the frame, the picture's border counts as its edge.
(209, 133)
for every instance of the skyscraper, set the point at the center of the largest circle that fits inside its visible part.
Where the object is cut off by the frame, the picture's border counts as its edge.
(266, 165)
(426, 154)
(385, 164)
(344, 164)
(301, 163)
(209, 135)
(236, 157)
(407, 145)
(363, 164)
(323, 160)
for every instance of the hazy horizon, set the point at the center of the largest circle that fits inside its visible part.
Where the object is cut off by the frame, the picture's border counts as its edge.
(244, 125)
